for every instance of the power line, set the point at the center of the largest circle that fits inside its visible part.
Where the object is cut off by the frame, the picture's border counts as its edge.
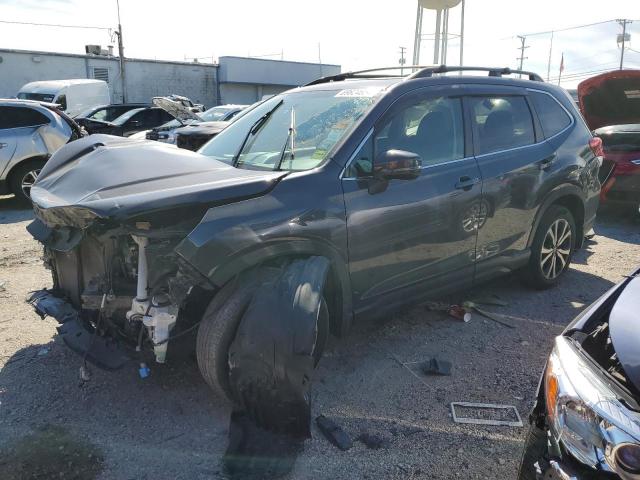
(556, 30)
(54, 25)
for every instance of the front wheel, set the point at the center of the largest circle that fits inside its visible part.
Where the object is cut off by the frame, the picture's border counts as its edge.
(552, 248)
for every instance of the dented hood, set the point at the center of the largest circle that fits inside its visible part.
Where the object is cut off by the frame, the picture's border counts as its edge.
(612, 98)
(115, 177)
(624, 320)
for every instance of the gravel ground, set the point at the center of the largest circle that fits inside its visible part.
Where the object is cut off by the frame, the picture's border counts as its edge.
(170, 426)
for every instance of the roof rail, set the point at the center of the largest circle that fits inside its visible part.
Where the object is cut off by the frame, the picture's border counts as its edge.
(493, 72)
(423, 71)
(370, 73)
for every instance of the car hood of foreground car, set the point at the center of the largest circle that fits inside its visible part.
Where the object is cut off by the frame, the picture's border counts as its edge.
(612, 98)
(114, 177)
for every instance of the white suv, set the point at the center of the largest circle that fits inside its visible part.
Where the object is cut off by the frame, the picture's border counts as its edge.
(30, 132)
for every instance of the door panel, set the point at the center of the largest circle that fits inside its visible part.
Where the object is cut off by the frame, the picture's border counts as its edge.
(407, 237)
(514, 163)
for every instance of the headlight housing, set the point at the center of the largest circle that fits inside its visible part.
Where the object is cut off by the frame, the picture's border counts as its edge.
(587, 417)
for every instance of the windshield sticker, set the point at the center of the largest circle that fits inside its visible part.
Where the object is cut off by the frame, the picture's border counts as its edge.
(359, 92)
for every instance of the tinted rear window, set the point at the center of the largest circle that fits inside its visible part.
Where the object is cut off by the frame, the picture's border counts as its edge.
(553, 118)
(502, 123)
(15, 117)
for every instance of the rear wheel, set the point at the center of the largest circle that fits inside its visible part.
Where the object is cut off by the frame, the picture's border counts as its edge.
(552, 248)
(23, 178)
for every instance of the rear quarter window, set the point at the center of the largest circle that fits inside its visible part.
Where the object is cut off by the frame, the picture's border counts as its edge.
(553, 118)
(17, 117)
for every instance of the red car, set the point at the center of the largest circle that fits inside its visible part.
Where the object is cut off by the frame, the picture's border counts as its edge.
(610, 104)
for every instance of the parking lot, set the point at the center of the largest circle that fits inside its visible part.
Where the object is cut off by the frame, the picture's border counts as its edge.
(169, 425)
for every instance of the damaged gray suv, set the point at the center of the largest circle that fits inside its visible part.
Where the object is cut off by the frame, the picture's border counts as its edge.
(349, 197)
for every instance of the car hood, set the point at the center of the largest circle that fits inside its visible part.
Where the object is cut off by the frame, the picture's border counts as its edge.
(175, 109)
(624, 320)
(102, 176)
(610, 99)
(202, 128)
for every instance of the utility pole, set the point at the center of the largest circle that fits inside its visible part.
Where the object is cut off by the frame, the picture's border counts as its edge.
(121, 55)
(549, 62)
(402, 60)
(522, 58)
(623, 37)
(462, 36)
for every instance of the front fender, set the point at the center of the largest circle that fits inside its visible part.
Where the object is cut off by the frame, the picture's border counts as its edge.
(233, 238)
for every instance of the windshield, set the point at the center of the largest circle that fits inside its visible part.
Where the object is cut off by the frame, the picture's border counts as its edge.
(298, 135)
(216, 113)
(126, 116)
(39, 97)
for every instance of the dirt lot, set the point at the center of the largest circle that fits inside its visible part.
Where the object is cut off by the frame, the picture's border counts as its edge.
(169, 425)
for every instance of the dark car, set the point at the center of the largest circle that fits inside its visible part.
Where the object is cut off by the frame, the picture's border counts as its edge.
(610, 104)
(130, 122)
(107, 113)
(194, 136)
(349, 197)
(586, 422)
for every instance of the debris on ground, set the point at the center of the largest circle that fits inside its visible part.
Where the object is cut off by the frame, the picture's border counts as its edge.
(436, 366)
(334, 433)
(42, 352)
(461, 313)
(2, 286)
(490, 315)
(486, 414)
(373, 441)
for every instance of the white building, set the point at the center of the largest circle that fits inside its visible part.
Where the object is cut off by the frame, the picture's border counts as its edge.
(233, 80)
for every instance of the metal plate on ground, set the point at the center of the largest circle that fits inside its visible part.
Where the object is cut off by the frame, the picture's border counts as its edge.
(500, 411)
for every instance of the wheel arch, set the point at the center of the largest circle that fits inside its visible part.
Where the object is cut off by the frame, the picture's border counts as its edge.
(338, 281)
(570, 197)
(24, 161)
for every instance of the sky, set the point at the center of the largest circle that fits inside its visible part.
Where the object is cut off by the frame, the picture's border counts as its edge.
(356, 34)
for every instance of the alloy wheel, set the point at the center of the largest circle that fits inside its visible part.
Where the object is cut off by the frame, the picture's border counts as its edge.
(28, 180)
(556, 249)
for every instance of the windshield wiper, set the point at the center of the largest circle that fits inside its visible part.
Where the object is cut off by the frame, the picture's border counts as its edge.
(255, 128)
(291, 136)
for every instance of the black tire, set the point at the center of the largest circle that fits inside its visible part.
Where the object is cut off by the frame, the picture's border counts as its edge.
(18, 175)
(540, 273)
(535, 448)
(218, 328)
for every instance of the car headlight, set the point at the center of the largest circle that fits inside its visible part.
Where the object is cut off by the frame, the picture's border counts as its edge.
(587, 417)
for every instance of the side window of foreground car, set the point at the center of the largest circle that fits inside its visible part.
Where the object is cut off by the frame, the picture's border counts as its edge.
(432, 128)
(17, 117)
(501, 123)
(553, 118)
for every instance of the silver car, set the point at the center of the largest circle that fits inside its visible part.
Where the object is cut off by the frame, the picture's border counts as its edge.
(30, 132)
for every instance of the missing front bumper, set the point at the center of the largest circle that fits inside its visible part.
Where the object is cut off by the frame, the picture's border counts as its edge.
(101, 351)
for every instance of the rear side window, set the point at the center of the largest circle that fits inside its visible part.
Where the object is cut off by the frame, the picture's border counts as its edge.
(501, 123)
(16, 117)
(553, 117)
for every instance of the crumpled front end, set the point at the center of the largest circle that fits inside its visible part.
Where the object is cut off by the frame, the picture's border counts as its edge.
(116, 288)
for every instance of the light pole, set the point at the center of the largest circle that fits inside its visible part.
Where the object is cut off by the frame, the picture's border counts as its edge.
(121, 55)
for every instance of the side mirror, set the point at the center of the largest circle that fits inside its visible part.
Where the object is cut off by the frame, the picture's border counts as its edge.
(397, 164)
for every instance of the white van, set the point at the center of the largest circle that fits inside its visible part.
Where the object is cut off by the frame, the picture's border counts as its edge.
(75, 95)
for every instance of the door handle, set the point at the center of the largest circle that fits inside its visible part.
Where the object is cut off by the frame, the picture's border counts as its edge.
(2, 145)
(466, 183)
(547, 163)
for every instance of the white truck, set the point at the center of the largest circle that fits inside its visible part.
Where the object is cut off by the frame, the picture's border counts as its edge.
(74, 95)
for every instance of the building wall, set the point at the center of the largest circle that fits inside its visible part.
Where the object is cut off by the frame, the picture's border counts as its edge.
(237, 79)
(144, 78)
(247, 80)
